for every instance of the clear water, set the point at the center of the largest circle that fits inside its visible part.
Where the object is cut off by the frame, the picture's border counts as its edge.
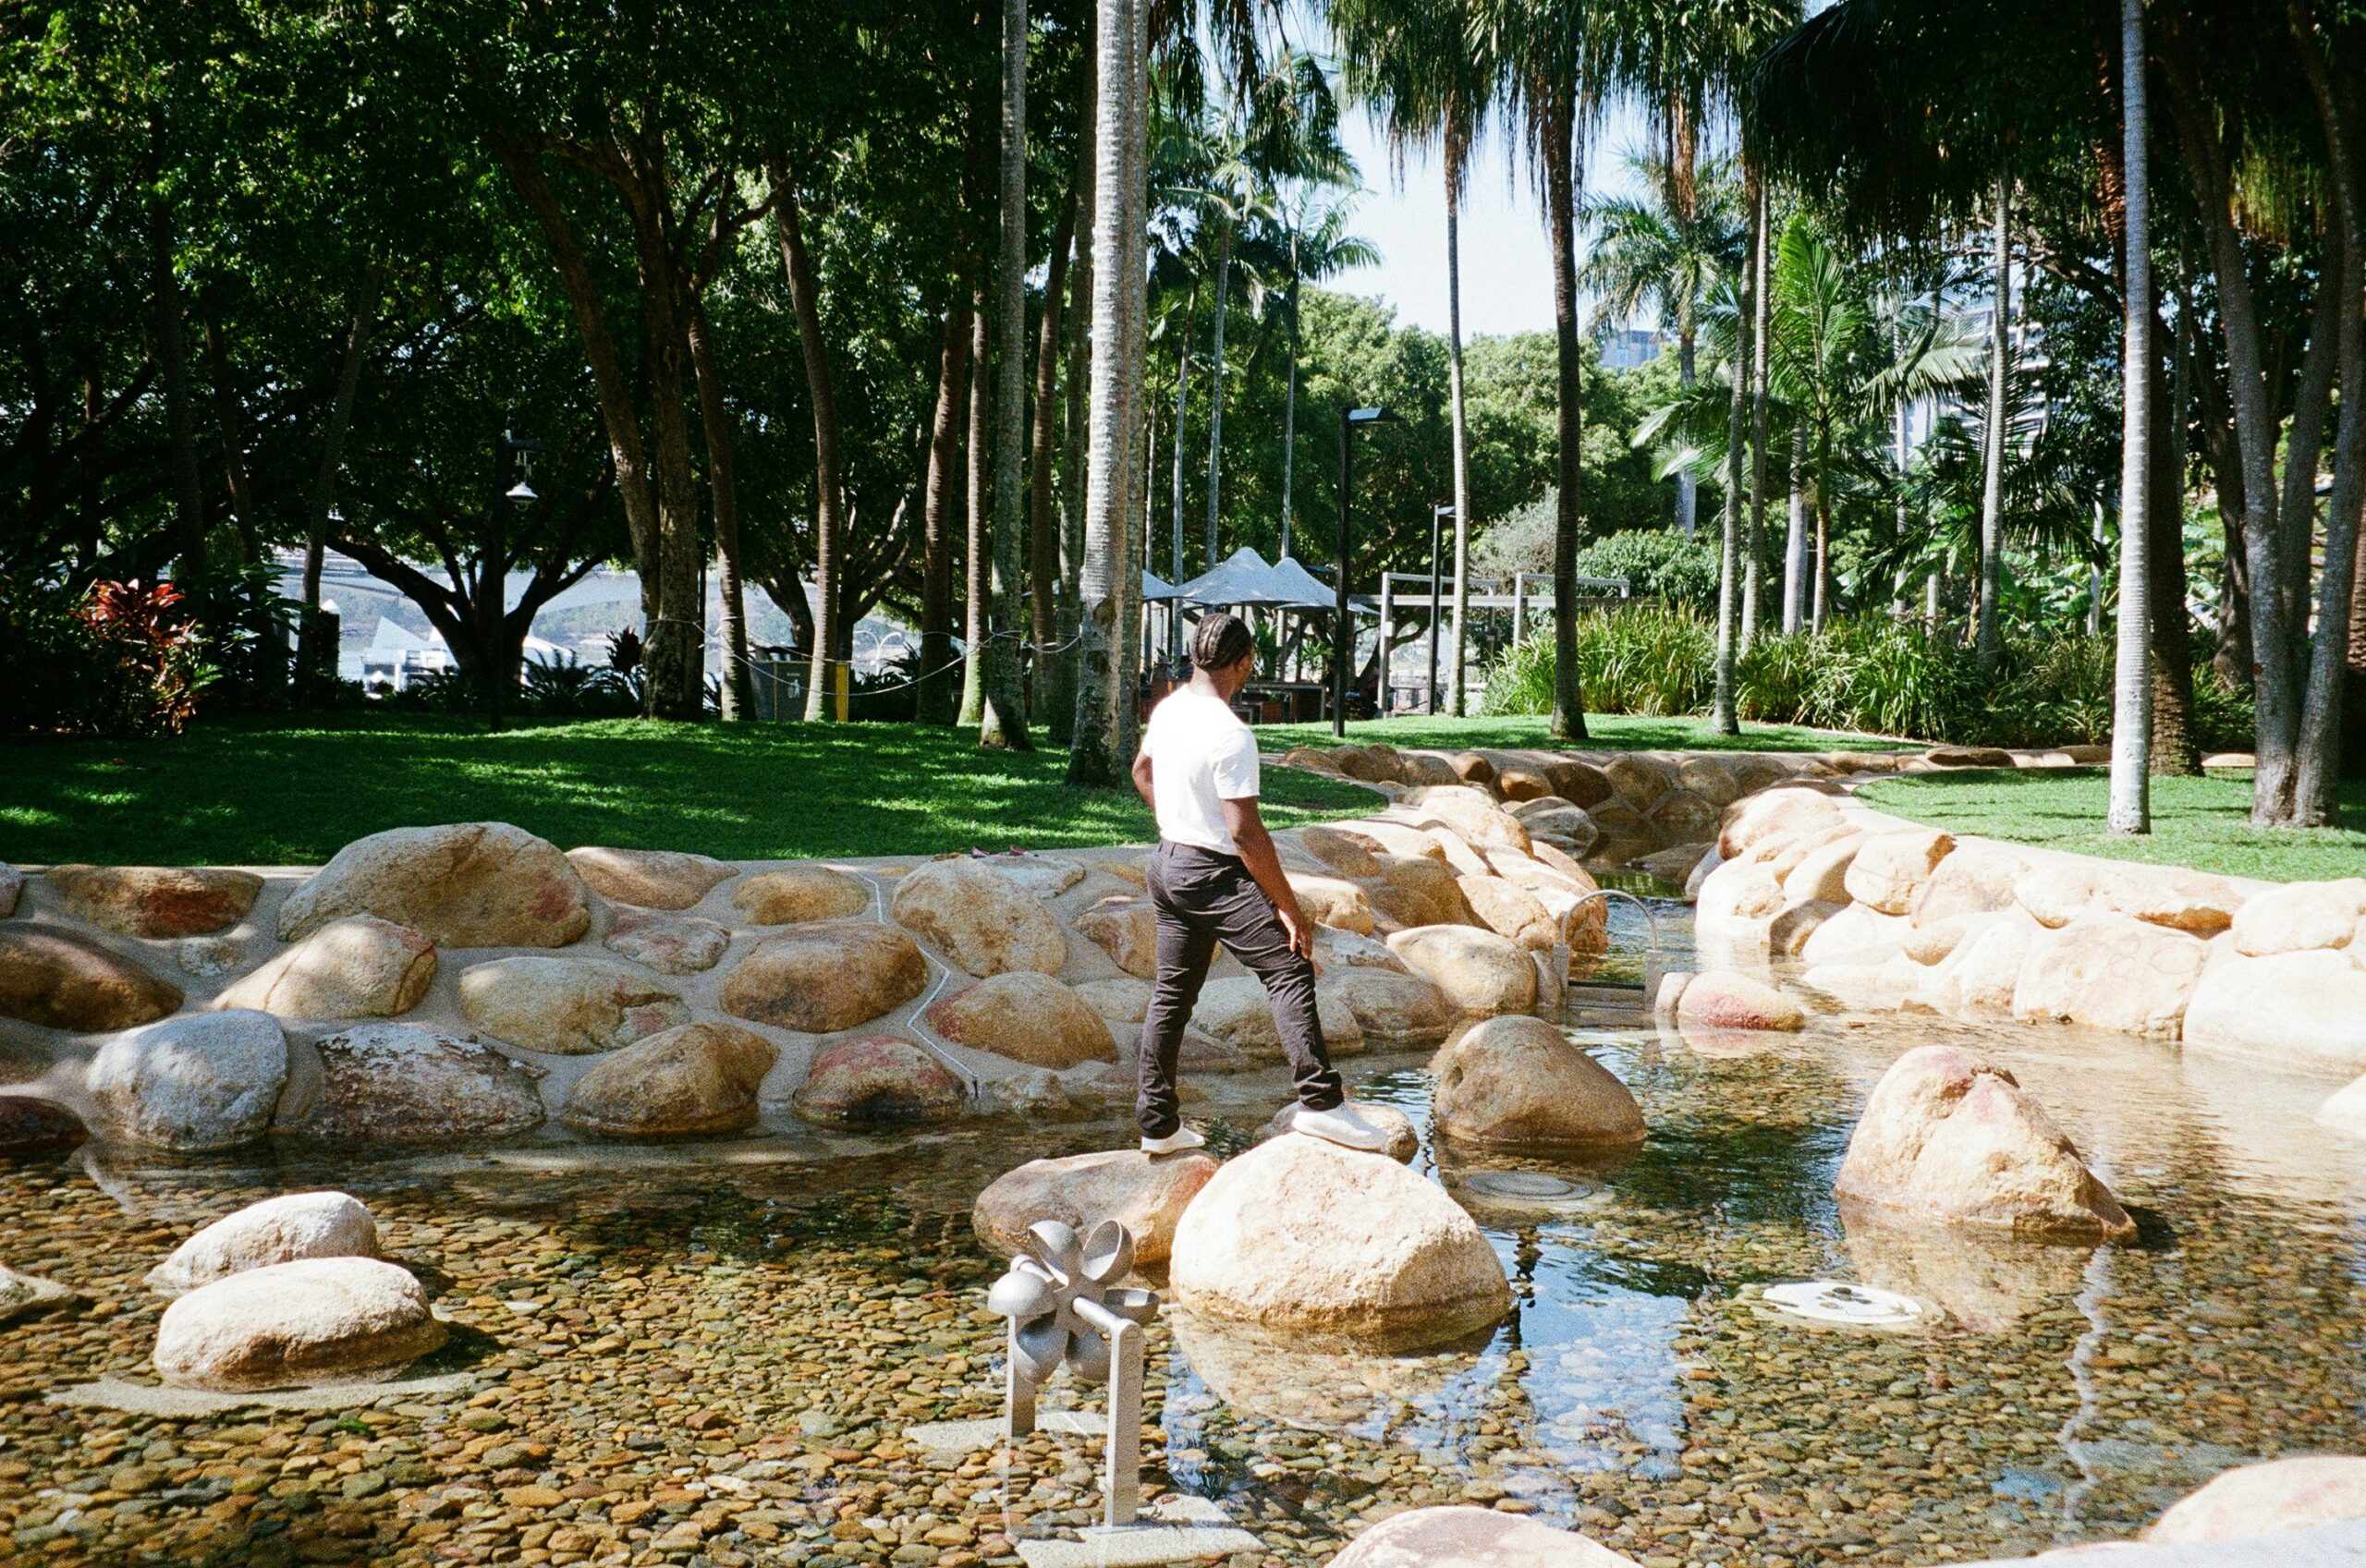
(710, 1353)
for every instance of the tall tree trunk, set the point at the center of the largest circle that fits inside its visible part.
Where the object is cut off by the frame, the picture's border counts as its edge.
(1821, 609)
(1683, 152)
(315, 650)
(1457, 693)
(976, 562)
(1044, 597)
(1722, 715)
(1098, 754)
(2174, 743)
(1062, 705)
(737, 698)
(1761, 323)
(1289, 397)
(180, 413)
(1795, 538)
(940, 509)
(1004, 723)
(225, 425)
(1215, 398)
(1560, 204)
(2131, 727)
(675, 653)
(1182, 407)
(1989, 642)
(829, 473)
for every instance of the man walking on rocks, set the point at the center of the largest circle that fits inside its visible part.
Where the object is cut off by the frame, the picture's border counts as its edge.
(1214, 877)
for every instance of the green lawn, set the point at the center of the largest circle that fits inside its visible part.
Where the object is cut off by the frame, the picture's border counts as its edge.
(2201, 822)
(290, 792)
(1605, 732)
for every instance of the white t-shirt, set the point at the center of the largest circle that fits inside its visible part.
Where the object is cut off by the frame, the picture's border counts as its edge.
(1201, 754)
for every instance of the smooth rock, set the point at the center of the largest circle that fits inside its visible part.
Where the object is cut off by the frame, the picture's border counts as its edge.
(1146, 1193)
(1977, 982)
(1950, 1138)
(1857, 934)
(2262, 1498)
(878, 1079)
(794, 894)
(651, 878)
(466, 884)
(12, 885)
(22, 1295)
(1332, 901)
(2111, 972)
(211, 1081)
(1792, 809)
(1723, 1000)
(1394, 1010)
(1417, 890)
(1481, 974)
(1891, 870)
(1673, 865)
(671, 944)
(1345, 850)
(1472, 1538)
(1682, 817)
(1474, 815)
(1302, 1234)
(1404, 1138)
(1519, 1083)
(1045, 876)
(1621, 834)
(1237, 1013)
(1978, 879)
(2306, 1008)
(1969, 756)
(402, 1083)
(2298, 917)
(1472, 768)
(1578, 781)
(1336, 950)
(208, 957)
(1123, 1000)
(1397, 838)
(1126, 928)
(1739, 890)
(825, 978)
(1026, 1017)
(155, 901)
(1520, 782)
(31, 1128)
(1038, 1095)
(357, 967)
(2344, 1112)
(1640, 778)
(64, 982)
(1822, 875)
(2064, 891)
(1510, 910)
(319, 1320)
(278, 1230)
(982, 922)
(568, 1006)
(696, 1081)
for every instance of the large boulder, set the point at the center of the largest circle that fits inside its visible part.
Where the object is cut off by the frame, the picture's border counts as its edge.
(1519, 1083)
(1950, 1138)
(1978, 879)
(1578, 782)
(2265, 1498)
(318, 1321)
(1472, 1538)
(1640, 778)
(1551, 818)
(825, 978)
(794, 894)
(2110, 972)
(696, 1081)
(1723, 1000)
(2066, 890)
(155, 901)
(1026, 1017)
(1822, 874)
(1682, 817)
(1146, 1193)
(402, 1083)
(1344, 850)
(1414, 890)
(671, 944)
(1045, 876)
(1793, 808)
(23, 1296)
(2301, 916)
(1393, 1010)
(31, 1128)
(984, 923)
(2308, 1008)
(1979, 977)
(651, 879)
(360, 967)
(1334, 951)
(1235, 1013)
(1510, 910)
(1332, 901)
(1481, 974)
(878, 1079)
(211, 1081)
(278, 1230)
(64, 982)
(568, 1006)
(466, 884)
(1302, 1234)
(1474, 815)
(1739, 890)
(2343, 1112)
(1126, 928)
(1890, 869)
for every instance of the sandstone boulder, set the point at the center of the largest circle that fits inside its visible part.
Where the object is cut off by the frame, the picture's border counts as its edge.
(1398, 838)
(1578, 781)
(1044, 876)
(1891, 869)
(568, 1006)
(2265, 1498)
(794, 894)
(2306, 1008)
(401, 1083)
(211, 1081)
(1332, 901)
(1738, 890)
(1345, 850)
(64, 982)
(1723, 1000)
(982, 922)
(1978, 980)
(1237, 1013)
(1792, 809)
(1472, 1538)
(2343, 1112)
(1121, 1001)
(1519, 1083)
(1510, 910)
(1393, 1009)
(1404, 1138)
(1472, 768)
(1857, 933)
(1673, 865)
(1554, 818)
(2301, 916)
(31, 1128)
(1480, 973)
(318, 1321)
(2064, 891)
(278, 1230)
(466, 884)
(1416, 891)
(2111, 972)
(1978, 879)
(357, 967)
(825, 978)
(878, 1079)
(1146, 1193)
(1682, 817)
(1719, 781)
(696, 1081)
(650, 879)
(1969, 756)
(1365, 764)
(1621, 834)
(1822, 875)
(22, 1295)
(1336, 950)
(155, 901)
(1127, 930)
(1473, 815)
(1026, 1017)
(1640, 779)
(671, 944)
(1302, 1234)
(1950, 1138)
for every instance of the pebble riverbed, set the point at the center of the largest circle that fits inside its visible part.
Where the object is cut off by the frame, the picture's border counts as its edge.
(710, 1355)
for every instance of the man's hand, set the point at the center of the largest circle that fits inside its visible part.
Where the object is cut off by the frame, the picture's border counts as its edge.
(1302, 935)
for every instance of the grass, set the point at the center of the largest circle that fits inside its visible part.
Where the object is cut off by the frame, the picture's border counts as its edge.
(2200, 822)
(265, 792)
(1605, 732)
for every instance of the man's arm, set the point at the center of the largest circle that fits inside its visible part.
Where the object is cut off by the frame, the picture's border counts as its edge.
(1141, 780)
(1256, 847)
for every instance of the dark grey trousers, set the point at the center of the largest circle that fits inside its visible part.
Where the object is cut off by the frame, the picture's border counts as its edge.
(1203, 898)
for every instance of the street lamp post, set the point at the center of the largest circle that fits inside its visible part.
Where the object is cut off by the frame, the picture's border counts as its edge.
(1437, 515)
(1343, 636)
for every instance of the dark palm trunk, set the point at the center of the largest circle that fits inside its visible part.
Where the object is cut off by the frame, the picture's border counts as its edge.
(1042, 522)
(1004, 722)
(1560, 202)
(977, 538)
(737, 698)
(940, 512)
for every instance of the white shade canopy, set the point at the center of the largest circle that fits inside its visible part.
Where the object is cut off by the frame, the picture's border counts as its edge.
(1246, 577)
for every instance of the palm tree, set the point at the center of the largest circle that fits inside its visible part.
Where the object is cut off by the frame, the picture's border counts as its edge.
(2132, 721)
(1004, 722)
(1989, 640)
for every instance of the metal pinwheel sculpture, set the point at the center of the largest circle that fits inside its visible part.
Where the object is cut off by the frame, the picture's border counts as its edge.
(1065, 1308)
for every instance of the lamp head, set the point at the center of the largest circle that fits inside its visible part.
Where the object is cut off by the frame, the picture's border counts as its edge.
(1374, 417)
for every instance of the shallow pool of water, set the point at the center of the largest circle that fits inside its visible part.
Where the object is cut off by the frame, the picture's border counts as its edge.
(713, 1354)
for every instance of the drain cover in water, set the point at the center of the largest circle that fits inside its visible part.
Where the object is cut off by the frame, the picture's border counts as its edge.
(1827, 1301)
(1521, 1184)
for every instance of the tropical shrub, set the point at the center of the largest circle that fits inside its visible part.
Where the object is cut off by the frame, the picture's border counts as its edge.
(121, 660)
(1656, 562)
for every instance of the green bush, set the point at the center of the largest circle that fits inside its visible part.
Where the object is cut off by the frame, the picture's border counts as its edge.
(1656, 562)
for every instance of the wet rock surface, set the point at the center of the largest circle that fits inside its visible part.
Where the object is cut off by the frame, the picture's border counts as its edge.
(878, 1080)
(208, 1081)
(696, 1081)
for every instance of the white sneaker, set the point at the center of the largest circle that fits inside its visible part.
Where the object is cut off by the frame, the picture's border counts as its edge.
(1342, 1125)
(1175, 1142)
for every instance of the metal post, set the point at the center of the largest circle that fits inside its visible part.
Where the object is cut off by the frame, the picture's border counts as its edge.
(1386, 608)
(1019, 1404)
(1436, 514)
(1123, 1486)
(1519, 607)
(1343, 638)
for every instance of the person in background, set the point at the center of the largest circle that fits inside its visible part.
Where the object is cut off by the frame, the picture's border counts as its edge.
(1214, 877)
